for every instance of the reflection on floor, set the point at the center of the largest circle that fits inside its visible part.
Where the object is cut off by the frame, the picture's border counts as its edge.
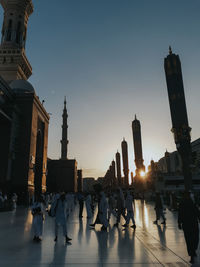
(149, 245)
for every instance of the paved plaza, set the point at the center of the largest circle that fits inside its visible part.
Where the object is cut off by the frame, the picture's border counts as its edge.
(149, 245)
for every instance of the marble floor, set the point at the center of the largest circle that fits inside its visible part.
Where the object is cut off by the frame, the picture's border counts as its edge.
(149, 245)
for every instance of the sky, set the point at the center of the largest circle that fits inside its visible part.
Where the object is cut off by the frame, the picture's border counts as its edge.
(106, 57)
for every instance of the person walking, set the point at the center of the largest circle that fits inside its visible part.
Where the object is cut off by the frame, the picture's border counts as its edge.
(129, 208)
(38, 218)
(188, 221)
(120, 206)
(88, 203)
(103, 211)
(159, 209)
(111, 206)
(14, 200)
(98, 189)
(81, 203)
(60, 208)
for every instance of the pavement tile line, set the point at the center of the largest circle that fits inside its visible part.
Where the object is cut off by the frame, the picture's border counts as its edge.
(161, 245)
(148, 250)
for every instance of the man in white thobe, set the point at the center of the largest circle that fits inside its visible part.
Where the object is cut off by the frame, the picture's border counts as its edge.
(60, 206)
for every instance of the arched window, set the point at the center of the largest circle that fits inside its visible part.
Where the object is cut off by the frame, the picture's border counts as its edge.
(9, 32)
(18, 34)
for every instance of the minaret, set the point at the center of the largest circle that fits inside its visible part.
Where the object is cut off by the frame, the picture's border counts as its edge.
(137, 141)
(113, 173)
(180, 125)
(64, 141)
(118, 165)
(14, 64)
(167, 160)
(125, 162)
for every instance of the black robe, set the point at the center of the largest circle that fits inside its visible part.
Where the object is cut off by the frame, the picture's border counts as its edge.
(188, 217)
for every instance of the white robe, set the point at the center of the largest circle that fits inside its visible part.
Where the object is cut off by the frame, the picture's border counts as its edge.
(61, 212)
(14, 199)
(37, 220)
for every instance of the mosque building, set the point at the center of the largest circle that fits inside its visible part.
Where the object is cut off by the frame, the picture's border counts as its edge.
(23, 118)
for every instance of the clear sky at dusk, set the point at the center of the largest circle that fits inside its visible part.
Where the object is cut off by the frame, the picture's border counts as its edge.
(107, 56)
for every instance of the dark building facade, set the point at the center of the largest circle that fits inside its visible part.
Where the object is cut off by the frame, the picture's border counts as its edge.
(62, 176)
(24, 139)
(178, 110)
(137, 141)
(23, 119)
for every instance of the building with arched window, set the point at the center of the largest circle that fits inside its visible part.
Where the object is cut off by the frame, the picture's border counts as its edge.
(23, 118)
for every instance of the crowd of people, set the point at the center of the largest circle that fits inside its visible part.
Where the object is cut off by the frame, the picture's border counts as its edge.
(118, 204)
(8, 202)
(60, 206)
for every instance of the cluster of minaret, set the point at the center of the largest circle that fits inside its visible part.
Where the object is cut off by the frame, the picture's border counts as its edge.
(113, 175)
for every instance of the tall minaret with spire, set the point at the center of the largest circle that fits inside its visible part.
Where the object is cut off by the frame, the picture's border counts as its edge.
(64, 141)
(14, 64)
(137, 142)
(124, 146)
(179, 117)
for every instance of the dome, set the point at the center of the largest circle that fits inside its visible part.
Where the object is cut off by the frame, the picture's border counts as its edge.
(22, 85)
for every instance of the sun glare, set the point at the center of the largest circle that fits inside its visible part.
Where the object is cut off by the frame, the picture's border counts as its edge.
(142, 174)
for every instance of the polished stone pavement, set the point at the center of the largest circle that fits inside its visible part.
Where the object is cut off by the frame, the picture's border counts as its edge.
(149, 245)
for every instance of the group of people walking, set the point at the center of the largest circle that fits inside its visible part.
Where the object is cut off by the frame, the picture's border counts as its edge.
(188, 220)
(8, 202)
(61, 205)
(117, 204)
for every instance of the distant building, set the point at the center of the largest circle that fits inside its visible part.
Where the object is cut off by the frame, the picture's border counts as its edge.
(88, 184)
(168, 170)
(23, 118)
(100, 180)
(62, 173)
